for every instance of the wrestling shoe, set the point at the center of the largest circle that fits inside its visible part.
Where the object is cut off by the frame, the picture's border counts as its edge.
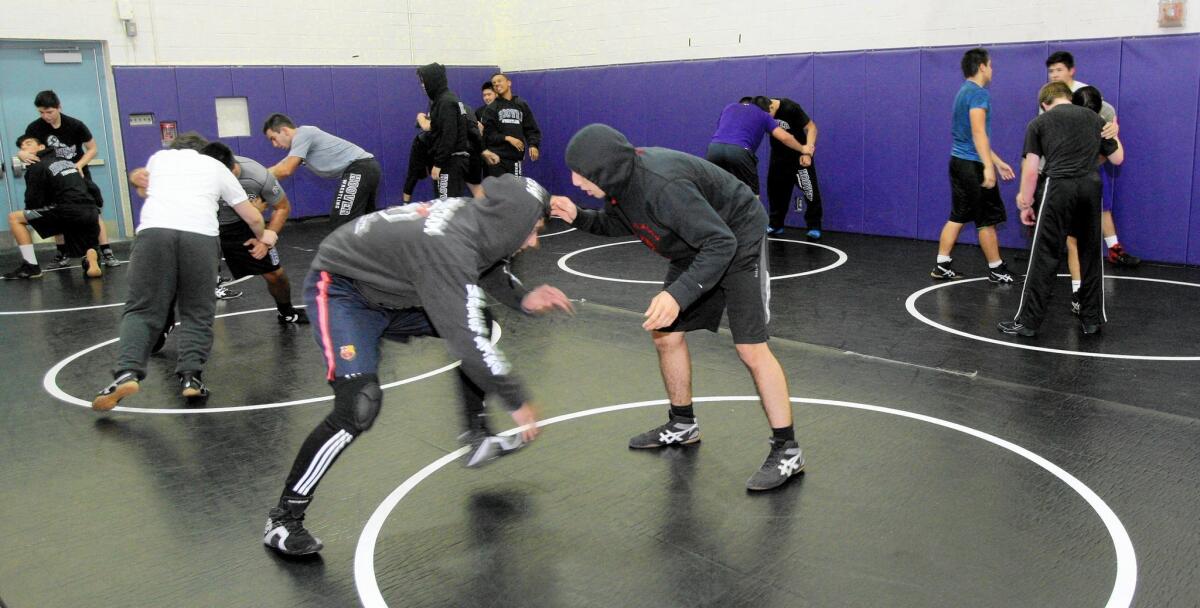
(190, 385)
(785, 460)
(60, 261)
(486, 447)
(944, 272)
(1014, 328)
(1089, 329)
(1117, 256)
(1075, 306)
(285, 533)
(162, 339)
(91, 264)
(24, 271)
(677, 431)
(813, 235)
(774, 231)
(124, 385)
(296, 317)
(1001, 275)
(108, 259)
(225, 293)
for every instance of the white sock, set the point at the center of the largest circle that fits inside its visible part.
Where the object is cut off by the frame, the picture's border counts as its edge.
(944, 259)
(1110, 241)
(1075, 286)
(996, 264)
(27, 254)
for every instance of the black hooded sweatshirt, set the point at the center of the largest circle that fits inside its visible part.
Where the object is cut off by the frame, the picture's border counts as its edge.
(684, 208)
(54, 181)
(447, 115)
(513, 117)
(444, 263)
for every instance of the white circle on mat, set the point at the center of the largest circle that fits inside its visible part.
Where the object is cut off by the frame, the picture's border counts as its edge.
(1120, 597)
(562, 262)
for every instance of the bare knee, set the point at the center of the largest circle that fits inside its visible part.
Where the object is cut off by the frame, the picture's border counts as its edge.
(667, 342)
(755, 355)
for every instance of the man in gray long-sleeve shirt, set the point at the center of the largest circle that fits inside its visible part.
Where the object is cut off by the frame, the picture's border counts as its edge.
(712, 229)
(412, 271)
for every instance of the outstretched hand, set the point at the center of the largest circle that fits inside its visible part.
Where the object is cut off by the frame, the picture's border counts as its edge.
(563, 208)
(526, 416)
(546, 298)
(662, 312)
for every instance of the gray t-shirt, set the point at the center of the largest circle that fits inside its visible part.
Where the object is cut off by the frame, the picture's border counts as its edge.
(258, 184)
(326, 155)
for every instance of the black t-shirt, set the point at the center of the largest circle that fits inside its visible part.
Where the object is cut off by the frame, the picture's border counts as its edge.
(793, 119)
(54, 181)
(66, 141)
(1068, 137)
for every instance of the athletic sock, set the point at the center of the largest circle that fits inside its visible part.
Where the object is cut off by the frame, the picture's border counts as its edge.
(944, 259)
(783, 434)
(996, 264)
(683, 411)
(1075, 285)
(27, 254)
(1110, 241)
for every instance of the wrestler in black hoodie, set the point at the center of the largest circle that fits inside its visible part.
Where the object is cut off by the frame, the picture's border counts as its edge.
(685, 208)
(450, 148)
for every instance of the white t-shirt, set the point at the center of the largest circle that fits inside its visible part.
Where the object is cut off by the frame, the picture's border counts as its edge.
(184, 189)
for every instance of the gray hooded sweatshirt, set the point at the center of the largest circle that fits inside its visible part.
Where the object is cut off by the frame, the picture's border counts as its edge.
(444, 263)
(684, 208)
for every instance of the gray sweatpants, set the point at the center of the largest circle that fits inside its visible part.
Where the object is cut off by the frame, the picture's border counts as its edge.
(165, 266)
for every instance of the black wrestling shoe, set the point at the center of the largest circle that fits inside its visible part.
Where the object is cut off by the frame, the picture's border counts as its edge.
(1001, 275)
(24, 271)
(1117, 256)
(190, 385)
(486, 447)
(60, 261)
(285, 533)
(785, 461)
(1089, 329)
(677, 431)
(108, 259)
(296, 317)
(225, 293)
(124, 385)
(1075, 306)
(1015, 329)
(943, 271)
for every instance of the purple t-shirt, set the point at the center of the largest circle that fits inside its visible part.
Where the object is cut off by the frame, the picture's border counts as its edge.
(743, 125)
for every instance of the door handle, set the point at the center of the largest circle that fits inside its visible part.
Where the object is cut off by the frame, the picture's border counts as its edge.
(18, 167)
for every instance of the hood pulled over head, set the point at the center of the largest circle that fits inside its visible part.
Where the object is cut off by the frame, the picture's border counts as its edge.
(508, 212)
(433, 76)
(603, 156)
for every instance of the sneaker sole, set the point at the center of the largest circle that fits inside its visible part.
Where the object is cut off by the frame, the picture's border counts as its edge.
(664, 445)
(93, 261)
(104, 403)
(315, 549)
(772, 487)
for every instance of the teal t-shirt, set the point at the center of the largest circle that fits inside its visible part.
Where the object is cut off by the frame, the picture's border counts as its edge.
(969, 97)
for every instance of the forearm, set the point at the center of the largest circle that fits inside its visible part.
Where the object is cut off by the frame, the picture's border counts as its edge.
(983, 147)
(279, 216)
(1029, 175)
(810, 132)
(598, 221)
(251, 216)
(787, 139)
(89, 153)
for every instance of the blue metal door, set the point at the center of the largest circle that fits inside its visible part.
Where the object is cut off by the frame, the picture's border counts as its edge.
(76, 71)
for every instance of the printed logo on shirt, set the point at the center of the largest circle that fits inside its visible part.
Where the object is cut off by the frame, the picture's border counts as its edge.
(440, 215)
(61, 150)
(647, 235)
(63, 167)
(477, 322)
(511, 116)
(784, 124)
(347, 352)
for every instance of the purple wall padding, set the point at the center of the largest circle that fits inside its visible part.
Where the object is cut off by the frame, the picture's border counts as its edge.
(144, 90)
(263, 89)
(308, 92)
(198, 88)
(1160, 78)
(892, 134)
(791, 76)
(838, 112)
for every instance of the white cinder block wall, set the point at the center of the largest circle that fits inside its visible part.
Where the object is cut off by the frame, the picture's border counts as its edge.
(539, 34)
(270, 32)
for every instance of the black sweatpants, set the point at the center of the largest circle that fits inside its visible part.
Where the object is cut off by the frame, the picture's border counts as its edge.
(738, 161)
(452, 181)
(164, 266)
(355, 195)
(505, 166)
(784, 175)
(1069, 206)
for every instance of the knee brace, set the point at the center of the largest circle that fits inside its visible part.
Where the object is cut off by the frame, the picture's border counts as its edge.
(356, 402)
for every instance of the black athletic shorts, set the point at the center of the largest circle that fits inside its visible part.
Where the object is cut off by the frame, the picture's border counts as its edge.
(475, 169)
(237, 255)
(94, 190)
(356, 191)
(77, 223)
(744, 291)
(738, 161)
(970, 201)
